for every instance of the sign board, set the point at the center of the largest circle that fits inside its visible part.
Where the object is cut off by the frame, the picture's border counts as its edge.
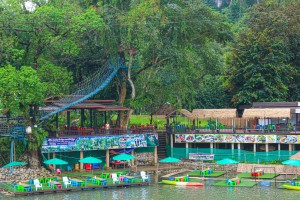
(197, 156)
(89, 143)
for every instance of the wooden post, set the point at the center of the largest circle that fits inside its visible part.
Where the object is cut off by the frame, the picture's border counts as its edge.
(155, 155)
(107, 159)
(171, 141)
(81, 156)
(54, 155)
(132, 161)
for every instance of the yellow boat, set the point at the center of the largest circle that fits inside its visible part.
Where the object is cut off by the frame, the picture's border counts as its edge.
(291, 187)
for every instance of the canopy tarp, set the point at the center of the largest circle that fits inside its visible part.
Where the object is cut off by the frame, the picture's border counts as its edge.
(214, 113)
(267, 113)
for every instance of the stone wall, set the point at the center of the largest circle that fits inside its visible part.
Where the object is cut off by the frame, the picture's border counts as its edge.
(144, 159)
(268, 168)
(23, 174)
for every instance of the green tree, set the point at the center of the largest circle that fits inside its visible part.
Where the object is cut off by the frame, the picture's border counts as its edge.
(263, 60)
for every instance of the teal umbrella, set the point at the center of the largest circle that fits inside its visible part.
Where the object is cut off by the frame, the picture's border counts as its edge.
(169, 160)
(90, 160)
(55, 161)
(295, 163)
(292, 162)
(14, 164)
(123, 157)
(227, 161)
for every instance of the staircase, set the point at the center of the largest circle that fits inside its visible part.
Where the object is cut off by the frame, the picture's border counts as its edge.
(162, 143)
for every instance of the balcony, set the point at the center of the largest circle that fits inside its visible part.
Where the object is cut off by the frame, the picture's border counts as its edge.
(76, 131)
(222, 129)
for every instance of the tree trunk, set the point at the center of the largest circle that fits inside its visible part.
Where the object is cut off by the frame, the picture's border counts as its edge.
(129, 75)
(123, 92)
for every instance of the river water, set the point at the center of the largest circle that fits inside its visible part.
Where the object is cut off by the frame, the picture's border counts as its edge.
(157, 191)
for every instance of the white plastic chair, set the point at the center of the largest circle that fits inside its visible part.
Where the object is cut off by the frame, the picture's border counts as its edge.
(115, 178)
(37, 184)
(66, 181)
(144, 176)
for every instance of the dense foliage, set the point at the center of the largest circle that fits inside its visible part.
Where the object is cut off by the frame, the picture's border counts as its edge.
(192, 54)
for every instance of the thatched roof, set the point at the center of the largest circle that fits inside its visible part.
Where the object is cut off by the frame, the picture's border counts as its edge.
(187, 113)
(295, 156)
(214, 113)
(165, 109)
(267, 113)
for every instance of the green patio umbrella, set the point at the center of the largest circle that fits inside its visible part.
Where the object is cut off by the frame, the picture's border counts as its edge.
(295, 163)
(169, 160)
(90, 160)
(292, 162)
(14, 164)
(55, 161)
(227, 161)
(123, 157)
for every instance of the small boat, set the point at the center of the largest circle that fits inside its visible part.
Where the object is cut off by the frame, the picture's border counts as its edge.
(182, 183)
(291, 187)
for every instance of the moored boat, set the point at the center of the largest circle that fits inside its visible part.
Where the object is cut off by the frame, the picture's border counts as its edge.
(291, 187)
(182, 183)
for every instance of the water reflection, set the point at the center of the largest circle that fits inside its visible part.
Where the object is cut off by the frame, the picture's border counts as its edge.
(157, 191)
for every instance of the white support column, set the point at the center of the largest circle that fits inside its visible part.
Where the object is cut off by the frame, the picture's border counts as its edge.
(254, 147)
(290, 147)
(279, 146)
(187, 150)
(267, 147)
(211, 147)
(239, 146)
(232, 146)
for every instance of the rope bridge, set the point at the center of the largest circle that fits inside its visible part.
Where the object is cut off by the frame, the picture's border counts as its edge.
(85, 89)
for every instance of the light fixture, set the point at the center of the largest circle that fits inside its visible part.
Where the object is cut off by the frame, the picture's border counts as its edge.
(28, 130)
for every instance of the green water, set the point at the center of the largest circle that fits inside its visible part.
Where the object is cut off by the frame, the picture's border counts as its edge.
(169, 192)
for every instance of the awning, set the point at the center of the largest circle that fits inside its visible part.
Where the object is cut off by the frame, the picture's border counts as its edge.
(267, 113)
(187, 113)
(214, 113)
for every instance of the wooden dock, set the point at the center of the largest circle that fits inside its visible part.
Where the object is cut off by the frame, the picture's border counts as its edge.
(85, 188)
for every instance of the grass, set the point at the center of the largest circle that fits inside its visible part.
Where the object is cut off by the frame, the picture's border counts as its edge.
(214, 174)
(242, 184)
(265, 176)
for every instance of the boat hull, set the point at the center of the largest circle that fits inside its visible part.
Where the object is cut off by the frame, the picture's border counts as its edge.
(291, 187)
(182, 183)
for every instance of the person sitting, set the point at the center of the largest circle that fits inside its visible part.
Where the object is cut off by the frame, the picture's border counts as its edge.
(107, 128)
(51, 168)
